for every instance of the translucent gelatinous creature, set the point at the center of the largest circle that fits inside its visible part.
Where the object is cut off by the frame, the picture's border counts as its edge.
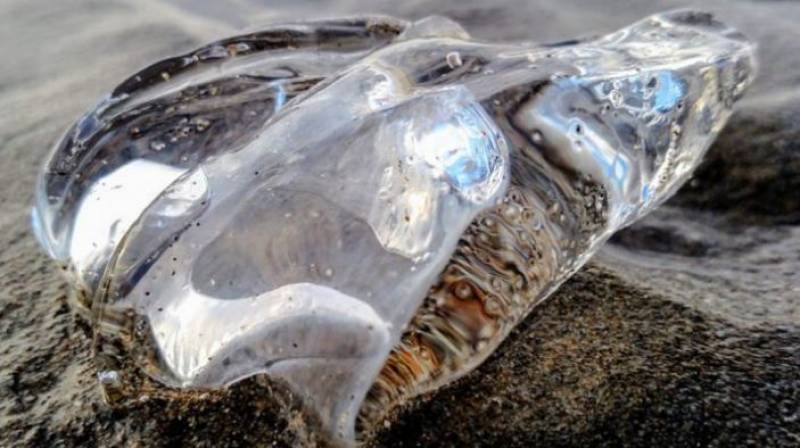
(364, 208)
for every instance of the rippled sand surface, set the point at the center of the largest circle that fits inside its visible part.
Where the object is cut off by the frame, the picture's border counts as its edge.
(684, 331)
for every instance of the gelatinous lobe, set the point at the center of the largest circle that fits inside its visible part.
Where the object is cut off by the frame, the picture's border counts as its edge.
(179, 113)
(365, 208)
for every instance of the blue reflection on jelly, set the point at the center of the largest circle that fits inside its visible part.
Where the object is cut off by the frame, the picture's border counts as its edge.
(669, 91)
(467, 148)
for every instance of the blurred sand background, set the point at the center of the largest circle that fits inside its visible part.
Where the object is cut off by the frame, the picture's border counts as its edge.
(684, 331)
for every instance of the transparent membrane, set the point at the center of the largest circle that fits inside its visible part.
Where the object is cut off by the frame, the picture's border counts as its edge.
(364, 208)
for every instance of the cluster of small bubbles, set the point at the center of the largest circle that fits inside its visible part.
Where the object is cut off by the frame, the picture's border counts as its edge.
(157, 145)
(201, 124)
(537, 137)
(422, 257)
(512, 212)
(454, 59)
(462, 290)
(616, 98)
(109, 378)
(492, 305)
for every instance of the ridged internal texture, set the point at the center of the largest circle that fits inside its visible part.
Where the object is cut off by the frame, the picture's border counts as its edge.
(500, 270)
(513, 256)
(363, 209)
